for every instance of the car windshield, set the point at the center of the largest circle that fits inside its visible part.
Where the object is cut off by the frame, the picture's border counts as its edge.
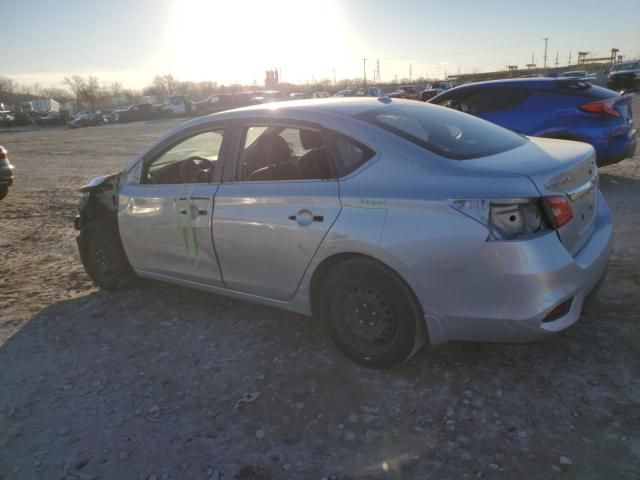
(626, 66)
(443, 131)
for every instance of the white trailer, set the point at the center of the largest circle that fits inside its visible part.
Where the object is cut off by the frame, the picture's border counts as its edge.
(45, 105)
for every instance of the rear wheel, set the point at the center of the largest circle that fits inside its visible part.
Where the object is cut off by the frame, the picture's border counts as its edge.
(372, 315)
(102, 254)
(4, 191)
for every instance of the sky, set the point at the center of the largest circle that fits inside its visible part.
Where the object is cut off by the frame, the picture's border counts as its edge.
(236, 41)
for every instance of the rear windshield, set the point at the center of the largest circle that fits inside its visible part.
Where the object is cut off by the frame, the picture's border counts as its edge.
(443, 131)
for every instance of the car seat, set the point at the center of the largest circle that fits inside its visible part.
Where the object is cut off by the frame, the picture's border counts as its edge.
(314, 163)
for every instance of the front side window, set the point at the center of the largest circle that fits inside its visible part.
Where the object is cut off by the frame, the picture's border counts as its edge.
(192, 160)
(283, 153)
(445, 132)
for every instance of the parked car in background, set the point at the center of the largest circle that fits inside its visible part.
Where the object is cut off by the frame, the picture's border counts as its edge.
(563, 108)
(396, 221)
(265, 96)
(581, 74)
(298, 96)
(6, 172)
(221, 102)
(52, 118)
(90, 118)
(435, 88)
(368, 92)
(408, 92)
(624, 75)
(177, 106)
(320, 95)
(141, 111)
(345, 93)
(7, 118)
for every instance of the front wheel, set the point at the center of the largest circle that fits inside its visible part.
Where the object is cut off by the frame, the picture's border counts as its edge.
(4, 191)
(102, 254)
(372, 315)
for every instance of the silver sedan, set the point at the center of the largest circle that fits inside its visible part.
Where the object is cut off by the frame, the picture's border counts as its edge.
(397, 222)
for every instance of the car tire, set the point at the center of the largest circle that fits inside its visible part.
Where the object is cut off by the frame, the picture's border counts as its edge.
(103, 256)
(372, 315)
(4, 191)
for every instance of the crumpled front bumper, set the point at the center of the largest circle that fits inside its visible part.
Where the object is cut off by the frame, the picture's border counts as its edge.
(509, 288)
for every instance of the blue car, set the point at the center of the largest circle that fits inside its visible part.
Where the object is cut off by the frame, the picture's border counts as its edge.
(563, 108)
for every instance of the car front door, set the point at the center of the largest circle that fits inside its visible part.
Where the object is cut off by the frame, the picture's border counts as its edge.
(165, 214)
(271, 216)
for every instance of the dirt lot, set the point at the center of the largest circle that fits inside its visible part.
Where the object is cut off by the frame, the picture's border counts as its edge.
(158, 382)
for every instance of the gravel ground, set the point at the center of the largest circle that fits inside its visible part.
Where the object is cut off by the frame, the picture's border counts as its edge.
(157, 381)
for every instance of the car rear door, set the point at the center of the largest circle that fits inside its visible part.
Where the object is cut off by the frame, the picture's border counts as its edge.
(274, 208)
(165, 214)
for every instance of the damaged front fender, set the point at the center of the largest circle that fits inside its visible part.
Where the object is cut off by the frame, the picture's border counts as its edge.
(99, 199)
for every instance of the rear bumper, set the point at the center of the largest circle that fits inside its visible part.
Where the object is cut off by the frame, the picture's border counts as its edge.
(507, 291)
(627, 150)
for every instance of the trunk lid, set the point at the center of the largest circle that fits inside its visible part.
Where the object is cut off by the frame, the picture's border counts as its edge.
(556, 167)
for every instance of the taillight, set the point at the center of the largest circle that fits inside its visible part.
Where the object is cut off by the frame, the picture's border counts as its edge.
(602, 107)
(558, 209)
(506, 219)
(4, 155)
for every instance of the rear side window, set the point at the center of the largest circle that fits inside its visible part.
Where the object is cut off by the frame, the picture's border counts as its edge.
(443, 131)
(583, 89)
(477, 102)
(348, 154)
(491, 100)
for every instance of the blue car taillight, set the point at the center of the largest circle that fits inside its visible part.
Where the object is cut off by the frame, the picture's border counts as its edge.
(602, 107)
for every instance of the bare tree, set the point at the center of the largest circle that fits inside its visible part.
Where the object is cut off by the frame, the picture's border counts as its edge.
(58, 94)
(115, 89)
(76, 84)
(7, 85)
(91, 91)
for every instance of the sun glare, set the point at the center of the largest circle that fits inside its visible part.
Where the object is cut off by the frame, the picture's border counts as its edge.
(237, 41)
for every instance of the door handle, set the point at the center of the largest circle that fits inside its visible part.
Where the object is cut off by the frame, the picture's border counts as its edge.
(316, 218)
(200, 212)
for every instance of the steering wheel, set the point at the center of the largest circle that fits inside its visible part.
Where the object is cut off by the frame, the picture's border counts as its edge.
(195, 169)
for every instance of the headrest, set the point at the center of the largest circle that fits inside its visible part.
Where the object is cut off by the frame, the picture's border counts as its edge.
(310, 139)
(275, 148)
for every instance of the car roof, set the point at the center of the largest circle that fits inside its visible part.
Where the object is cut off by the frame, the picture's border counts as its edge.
(533, 82)
(303, 109)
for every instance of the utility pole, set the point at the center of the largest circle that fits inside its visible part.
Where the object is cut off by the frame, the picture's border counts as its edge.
(570, 57)
(410, 73)
(546, 41)
(378, 70)
(556, 60)
(364, 72)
